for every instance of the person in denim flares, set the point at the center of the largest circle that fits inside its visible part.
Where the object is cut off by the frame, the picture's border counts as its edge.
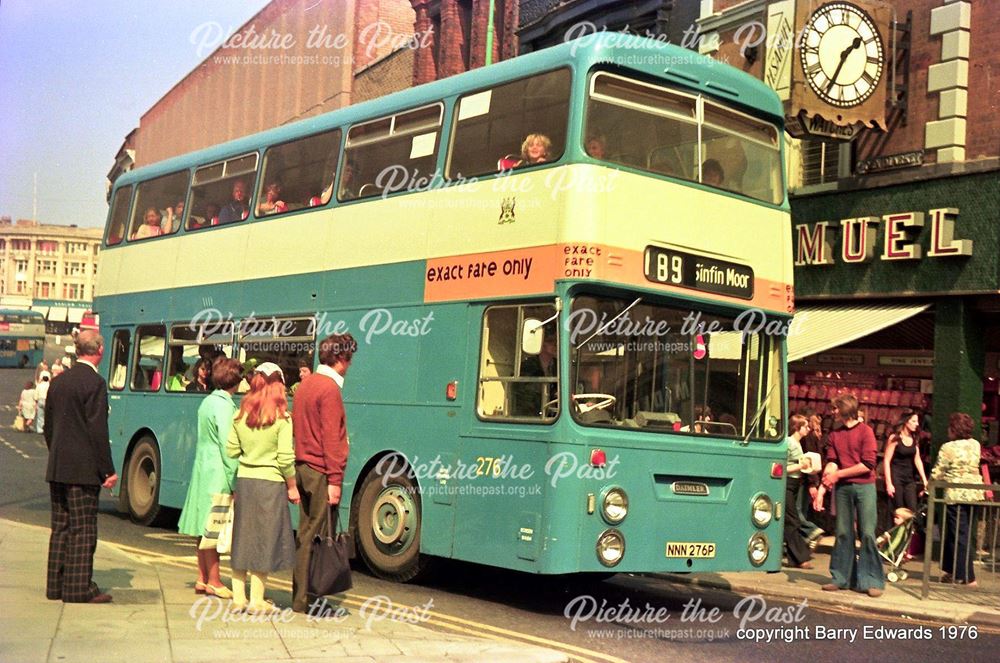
(850, 474)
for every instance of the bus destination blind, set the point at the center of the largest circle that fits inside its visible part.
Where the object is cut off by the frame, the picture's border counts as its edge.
(686, 270)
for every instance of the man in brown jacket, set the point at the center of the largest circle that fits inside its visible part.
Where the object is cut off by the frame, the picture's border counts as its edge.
(321, 448)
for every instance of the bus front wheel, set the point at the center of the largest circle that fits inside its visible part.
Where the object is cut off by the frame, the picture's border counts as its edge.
(142, 482)
(387, 515)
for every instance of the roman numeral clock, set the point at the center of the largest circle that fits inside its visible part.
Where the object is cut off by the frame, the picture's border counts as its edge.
(839, 83)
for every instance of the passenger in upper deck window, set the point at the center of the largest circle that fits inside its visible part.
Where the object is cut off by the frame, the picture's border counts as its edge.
(535, 149)
(596, 146)
(172, 217)
(151, 224)
(272, 203)
(237, 209)
(712, 173)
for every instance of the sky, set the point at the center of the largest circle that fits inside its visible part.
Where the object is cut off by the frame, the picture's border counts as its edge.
(75, 77)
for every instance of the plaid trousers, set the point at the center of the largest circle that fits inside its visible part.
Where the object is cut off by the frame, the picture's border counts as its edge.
(72, 544)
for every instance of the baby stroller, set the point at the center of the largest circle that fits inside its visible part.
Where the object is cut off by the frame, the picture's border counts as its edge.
(893, 544)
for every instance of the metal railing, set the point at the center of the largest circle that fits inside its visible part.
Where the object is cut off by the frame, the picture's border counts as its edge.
(974, 542)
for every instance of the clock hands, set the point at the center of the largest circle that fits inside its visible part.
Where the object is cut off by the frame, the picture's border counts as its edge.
(843, 58)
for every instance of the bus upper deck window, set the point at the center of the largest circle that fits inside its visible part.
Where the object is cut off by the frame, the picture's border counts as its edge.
(514, 125)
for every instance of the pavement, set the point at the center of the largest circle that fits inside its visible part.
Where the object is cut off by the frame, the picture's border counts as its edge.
(952, 604)
(156, 616)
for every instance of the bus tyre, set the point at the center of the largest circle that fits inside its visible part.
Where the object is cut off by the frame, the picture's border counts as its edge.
(142, 482)
(387, 517)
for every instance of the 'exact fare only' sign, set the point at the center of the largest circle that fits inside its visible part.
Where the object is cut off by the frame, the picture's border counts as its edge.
(814, 244)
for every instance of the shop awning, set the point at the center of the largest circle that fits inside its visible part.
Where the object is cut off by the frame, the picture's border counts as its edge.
(57, 314)
(76, 315)
(44, 310)
(823, 327)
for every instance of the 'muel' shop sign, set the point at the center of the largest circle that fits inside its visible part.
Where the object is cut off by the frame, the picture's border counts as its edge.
(901, 238)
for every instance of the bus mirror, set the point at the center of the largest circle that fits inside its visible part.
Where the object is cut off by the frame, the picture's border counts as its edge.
(531, 336)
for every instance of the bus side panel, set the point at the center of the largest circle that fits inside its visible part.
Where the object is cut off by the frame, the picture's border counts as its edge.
(396, 400)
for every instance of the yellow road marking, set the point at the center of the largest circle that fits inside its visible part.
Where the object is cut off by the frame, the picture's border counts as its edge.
(439, 619)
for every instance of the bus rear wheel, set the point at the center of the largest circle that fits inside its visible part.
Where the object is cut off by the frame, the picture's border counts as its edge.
(142, 482)
(387, 517)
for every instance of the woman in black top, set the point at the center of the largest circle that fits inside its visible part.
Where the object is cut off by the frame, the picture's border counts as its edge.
(904, 470)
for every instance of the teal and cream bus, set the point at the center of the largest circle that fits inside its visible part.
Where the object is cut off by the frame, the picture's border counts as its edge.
(22, 338)
(571, 360)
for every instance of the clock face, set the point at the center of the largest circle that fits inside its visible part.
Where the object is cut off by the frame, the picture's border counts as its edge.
(842, 54)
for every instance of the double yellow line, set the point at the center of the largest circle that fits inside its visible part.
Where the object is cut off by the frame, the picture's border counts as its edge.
(438, 619)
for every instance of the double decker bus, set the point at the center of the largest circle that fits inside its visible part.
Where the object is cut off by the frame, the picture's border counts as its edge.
(570, 359)
(22, 338)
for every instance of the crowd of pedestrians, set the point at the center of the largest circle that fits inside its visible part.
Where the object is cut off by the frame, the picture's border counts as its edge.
(255, 459)
(844, 485)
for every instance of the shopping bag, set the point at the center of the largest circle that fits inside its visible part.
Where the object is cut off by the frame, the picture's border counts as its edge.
(219, 515)
(330, 560)
(224, 545)
(19, 423)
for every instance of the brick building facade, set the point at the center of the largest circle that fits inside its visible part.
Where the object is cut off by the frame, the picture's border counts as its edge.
(294, 60)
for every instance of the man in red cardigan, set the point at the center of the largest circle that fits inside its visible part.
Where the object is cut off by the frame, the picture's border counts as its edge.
(321, 448)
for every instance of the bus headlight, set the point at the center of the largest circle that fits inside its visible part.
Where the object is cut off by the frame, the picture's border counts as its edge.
(758, 549)
(614, 507)
(610, 547)
(761, 511)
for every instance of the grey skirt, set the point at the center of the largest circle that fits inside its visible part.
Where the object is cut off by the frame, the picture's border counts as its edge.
(262, 527)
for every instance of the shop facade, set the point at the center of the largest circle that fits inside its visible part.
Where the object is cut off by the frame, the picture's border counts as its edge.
(897, 286)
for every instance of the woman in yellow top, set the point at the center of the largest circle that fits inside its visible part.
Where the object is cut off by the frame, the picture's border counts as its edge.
(958, 462)
(261, 438)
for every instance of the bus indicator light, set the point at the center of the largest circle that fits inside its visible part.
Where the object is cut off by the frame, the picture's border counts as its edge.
(451, 391)
(777, 470)
(598, 458)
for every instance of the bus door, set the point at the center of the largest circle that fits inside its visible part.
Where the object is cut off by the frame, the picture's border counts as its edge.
(506, 434)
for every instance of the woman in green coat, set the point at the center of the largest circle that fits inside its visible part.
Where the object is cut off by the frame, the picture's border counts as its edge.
(213, 472)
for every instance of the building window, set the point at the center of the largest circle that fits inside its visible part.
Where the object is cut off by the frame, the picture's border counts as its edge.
(20, 244)
(20, 287)
(73, 291)
(46, 266)
(75, 269)
(21, 267)
(48, 247)
(820, 162)
(45, 289)
(465, 25)
(76, 248)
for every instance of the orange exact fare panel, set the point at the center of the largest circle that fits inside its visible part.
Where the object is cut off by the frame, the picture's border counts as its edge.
(534, 270)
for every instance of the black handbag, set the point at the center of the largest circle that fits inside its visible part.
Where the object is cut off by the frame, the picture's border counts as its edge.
(330, 560)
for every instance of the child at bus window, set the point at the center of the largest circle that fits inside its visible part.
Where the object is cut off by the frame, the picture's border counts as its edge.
(596, 146)
(172, 217)
(150, 226)
(712, 173)
(535, 149)
(347, 188)
(272, 203)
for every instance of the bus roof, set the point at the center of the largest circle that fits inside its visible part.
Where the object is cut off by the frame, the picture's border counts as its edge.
(19, 311)
(658, 59)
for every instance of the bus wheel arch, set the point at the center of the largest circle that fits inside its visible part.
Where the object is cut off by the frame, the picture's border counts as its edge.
(141, 477)
(386, 518)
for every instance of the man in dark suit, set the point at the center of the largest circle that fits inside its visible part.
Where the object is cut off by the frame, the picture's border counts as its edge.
(76, 433)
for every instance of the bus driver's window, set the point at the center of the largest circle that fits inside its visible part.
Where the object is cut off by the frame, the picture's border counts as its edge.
(514, 384)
